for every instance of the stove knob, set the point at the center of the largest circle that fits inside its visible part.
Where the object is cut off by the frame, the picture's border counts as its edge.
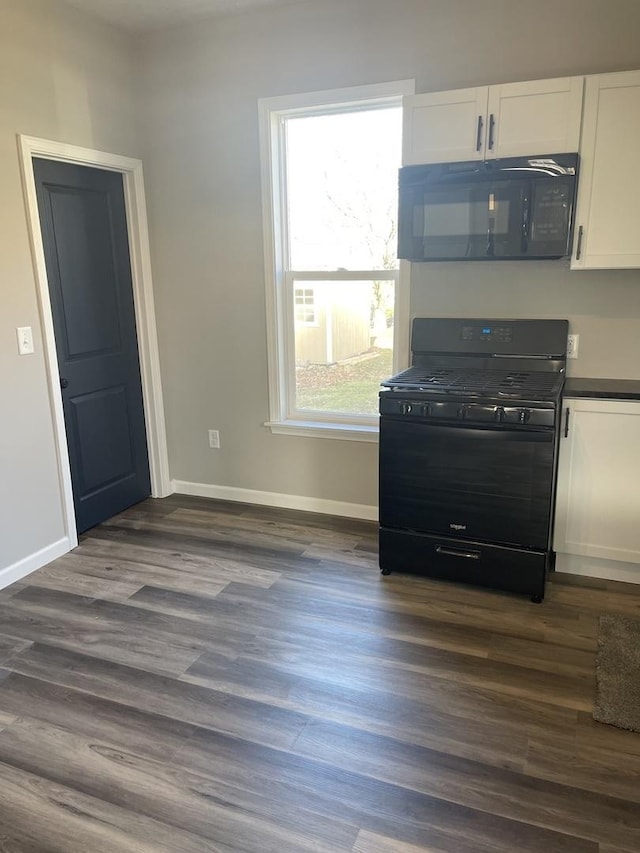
(405, 408)
(499, 414)
(425, 410)
(523, 415)
(462, 412)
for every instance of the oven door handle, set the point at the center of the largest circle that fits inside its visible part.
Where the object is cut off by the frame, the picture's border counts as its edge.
(540, 435)
(454, 552)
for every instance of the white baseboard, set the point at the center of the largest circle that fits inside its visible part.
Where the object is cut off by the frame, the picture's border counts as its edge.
(591, 567)
(253, 496)
(29, 564)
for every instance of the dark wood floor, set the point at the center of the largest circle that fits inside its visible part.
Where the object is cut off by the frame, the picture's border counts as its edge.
(202, 676)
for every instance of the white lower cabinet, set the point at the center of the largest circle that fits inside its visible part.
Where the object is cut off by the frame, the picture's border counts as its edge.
(597, 524)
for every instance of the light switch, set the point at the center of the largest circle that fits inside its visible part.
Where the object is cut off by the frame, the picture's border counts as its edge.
(25, 340)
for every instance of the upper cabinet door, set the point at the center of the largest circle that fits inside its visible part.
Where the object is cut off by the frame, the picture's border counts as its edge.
(536, 117)
(509, 120)
(444, 127)
(607, 224)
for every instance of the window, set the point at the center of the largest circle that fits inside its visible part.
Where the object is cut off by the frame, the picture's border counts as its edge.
(330, 174)
(305, 309)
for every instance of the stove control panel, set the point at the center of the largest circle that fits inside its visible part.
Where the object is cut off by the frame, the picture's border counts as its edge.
(488, 332)
(485, 414)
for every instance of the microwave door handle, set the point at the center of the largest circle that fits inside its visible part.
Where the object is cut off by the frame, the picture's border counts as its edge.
(526, 221)
(491, 223)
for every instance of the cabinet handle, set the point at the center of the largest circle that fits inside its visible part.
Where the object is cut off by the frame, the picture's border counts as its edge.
(579, 249)
(492, 124)
(479, 134)
(566, 422)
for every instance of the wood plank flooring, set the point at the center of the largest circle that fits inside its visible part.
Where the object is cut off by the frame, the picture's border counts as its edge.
(207, 676)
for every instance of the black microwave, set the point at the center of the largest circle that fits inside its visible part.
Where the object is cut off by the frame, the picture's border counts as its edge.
(504, 209)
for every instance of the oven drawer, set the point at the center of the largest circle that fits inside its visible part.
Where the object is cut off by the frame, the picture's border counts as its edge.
(509, 569)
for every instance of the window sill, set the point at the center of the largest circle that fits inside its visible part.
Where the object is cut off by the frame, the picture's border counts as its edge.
(320, 429)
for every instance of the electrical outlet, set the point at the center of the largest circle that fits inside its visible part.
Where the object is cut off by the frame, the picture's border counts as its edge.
(572, 346)
(214, 439)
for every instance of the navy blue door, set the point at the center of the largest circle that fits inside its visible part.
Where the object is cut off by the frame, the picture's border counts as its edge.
(84, 230)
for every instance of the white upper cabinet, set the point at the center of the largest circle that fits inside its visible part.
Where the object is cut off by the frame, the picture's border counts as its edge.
(444, 127)
(509, 120)
(537, 117)
(607, 222)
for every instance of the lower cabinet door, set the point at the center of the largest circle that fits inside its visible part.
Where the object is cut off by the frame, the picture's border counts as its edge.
(598, 497)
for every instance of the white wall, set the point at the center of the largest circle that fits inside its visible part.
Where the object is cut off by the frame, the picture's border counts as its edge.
(67, 78)
(200, 86)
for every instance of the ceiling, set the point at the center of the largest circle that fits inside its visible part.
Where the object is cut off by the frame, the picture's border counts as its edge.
(151, 14)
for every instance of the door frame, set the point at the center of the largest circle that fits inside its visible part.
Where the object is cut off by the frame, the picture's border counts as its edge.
(137, 228)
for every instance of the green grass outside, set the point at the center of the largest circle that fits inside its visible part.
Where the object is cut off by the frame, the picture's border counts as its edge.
(348, 387)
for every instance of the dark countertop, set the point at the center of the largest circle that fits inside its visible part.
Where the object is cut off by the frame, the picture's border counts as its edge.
(605, 389)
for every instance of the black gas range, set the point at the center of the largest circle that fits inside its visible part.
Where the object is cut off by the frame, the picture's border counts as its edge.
(468, 452)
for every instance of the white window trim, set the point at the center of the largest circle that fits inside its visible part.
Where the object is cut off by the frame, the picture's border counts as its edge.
(278, 311)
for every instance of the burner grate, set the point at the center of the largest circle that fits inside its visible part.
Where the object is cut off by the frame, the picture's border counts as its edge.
(473, 381)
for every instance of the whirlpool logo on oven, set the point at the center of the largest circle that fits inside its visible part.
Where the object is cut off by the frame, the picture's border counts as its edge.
(458, 526)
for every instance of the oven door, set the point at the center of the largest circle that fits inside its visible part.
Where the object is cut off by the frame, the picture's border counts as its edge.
(491, 485)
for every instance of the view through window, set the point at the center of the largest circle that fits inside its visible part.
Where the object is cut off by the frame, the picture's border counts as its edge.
(341, 171)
